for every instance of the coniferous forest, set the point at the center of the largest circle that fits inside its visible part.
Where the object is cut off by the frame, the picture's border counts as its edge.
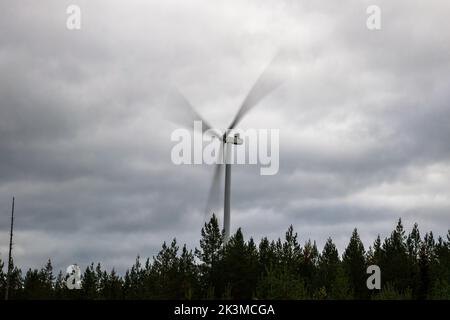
(412, 267)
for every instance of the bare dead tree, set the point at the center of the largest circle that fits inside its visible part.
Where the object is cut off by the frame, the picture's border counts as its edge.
(10, 264)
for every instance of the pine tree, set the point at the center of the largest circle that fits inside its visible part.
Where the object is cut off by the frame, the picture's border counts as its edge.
(253, 265)
(32, 285)
(211, 256)
(165, 267)
(414, 244)
(240, 266)
(136, 288)
(60, 287)
(126, 287)
(308, 266)
(375, 257)
(267, 256)
(355, 266)
(2, 279)
(47, 277)
(340, 286)
(89, 283)
(149, 279)
(113, 286)
(280, 284)
(38, 284)
(390, 292)
(394, 261)
(328, 266)
(426, 260)
(188, 275)
(15, 282)
(411, 267)
(291, 250)
(440, 270)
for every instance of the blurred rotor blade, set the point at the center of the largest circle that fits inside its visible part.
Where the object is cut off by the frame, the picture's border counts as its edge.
(185, 114)
(215, 188)
(269, 80)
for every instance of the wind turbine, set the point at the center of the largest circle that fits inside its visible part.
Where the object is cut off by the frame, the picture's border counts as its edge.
(268, 81)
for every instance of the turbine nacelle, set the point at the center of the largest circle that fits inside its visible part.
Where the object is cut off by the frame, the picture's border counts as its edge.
(236, 139)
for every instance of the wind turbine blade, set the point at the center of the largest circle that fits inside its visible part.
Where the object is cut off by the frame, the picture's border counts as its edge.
(269, 80)
(214, 190)
(185, 114)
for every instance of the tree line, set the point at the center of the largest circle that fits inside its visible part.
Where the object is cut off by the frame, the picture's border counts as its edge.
(412, 267)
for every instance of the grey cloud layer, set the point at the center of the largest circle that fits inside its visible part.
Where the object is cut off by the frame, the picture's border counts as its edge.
(85, 147)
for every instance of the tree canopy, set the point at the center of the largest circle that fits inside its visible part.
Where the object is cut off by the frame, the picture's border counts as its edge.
(412, 267)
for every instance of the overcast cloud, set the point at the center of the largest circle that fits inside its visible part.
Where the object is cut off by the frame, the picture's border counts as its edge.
(364, 121)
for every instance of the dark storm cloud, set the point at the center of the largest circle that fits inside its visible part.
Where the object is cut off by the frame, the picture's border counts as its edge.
(85, 138)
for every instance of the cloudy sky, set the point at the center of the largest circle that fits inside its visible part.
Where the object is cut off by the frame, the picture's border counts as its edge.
(364, 122)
